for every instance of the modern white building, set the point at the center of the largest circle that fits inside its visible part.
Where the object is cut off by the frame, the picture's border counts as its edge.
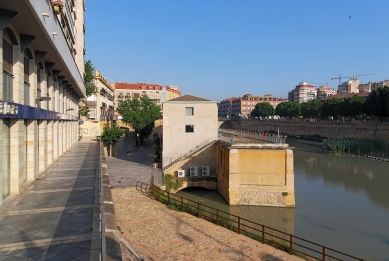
(189, 124)
(42, 64)
(303, 92)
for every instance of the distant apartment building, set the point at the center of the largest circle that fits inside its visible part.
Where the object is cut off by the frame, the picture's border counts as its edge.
(303, 92)
(346, 95)
(42, 64)
(351, 86)
(157, 93)
(244, 105)
(101, 108)
(376, 85)
(325, 91)
(365, 87)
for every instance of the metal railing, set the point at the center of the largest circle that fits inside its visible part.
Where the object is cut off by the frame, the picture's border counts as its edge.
(102, 210)
(289, 243)
(263, 136)
(174, 160)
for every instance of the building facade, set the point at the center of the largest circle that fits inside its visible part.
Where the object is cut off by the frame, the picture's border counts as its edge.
(376, 85)
(351, 86)
(303, 92)
(157, 93)
(101, 108)
(324, 91)
(188, 121)
(243, 106)
(42, 62)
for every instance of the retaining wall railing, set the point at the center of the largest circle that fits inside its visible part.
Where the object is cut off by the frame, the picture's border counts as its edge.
(289, 243)
(263, 136)
(187, 154)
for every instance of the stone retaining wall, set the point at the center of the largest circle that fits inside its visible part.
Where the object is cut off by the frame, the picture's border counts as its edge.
(325, 129)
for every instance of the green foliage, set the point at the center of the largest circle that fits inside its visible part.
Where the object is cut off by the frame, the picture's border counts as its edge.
(263, 109)
(140, 114)
(331, 107)
(84, 108)
(172, 183)
(377, 103)
(235, 115)
(311, 108)
(288, 109)
(356, 147)
(353, 106)
(111, 135)
(89, 76)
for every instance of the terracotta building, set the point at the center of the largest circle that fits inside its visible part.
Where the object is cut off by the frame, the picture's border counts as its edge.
(244, 105)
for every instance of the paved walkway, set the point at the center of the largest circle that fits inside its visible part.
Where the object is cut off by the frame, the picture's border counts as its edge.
(52, 219)
(155, 232)
(125, 171)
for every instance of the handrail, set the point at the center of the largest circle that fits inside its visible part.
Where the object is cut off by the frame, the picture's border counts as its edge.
(187, 154)
(102, 216)
(263, 136)
(259, 232)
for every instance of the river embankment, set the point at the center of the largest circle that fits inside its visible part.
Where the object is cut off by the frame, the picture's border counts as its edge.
(322, 128)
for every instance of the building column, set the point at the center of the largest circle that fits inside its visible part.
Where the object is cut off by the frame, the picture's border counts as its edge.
(42, 145)
(31, 149)
(60, 138)
(55, 140)
(17, 133)
(49, 143)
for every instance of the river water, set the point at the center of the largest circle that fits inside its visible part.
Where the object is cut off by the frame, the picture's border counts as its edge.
(342, 202)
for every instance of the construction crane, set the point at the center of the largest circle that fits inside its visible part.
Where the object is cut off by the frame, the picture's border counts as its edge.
(351, 77)
(340, 78)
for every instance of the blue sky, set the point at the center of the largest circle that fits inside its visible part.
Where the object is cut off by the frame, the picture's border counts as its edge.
(216, 49)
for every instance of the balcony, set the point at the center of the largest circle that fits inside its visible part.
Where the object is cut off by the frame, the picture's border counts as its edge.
(91, 103)
(110, 107)
(103, 105)
(128, 96)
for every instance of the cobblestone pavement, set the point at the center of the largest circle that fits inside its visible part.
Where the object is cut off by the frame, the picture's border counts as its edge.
(158, 233)
(52, 219)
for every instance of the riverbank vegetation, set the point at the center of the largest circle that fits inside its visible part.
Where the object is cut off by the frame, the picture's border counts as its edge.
(363, 146)
(376, 106)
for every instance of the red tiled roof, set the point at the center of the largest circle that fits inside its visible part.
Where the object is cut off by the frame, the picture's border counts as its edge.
(346, 95)
(137, 86)
(188, 98)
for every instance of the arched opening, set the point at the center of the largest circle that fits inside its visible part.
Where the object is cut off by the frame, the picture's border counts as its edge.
(9, 40)
(27, 72)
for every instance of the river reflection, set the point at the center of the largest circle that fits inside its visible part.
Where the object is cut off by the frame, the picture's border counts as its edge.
(341, 202)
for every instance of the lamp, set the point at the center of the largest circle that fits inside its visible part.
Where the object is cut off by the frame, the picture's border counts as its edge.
(45, 14)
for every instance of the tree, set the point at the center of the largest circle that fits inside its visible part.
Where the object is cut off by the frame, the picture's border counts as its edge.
(331, 107)
(140, 114)
(353, 106)
(90, 89)
(311, 108)
(262, 109)
(288, 109)
(89, 76)
(377, 103)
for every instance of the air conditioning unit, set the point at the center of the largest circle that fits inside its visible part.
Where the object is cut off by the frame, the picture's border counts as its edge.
(181, 173)
(194, 171)
(206, 170)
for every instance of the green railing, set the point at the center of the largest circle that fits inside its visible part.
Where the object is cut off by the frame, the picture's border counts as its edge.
(279, 239)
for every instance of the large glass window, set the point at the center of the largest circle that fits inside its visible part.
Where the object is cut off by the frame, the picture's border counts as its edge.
(7, 68)
(39, 90)
(6, 158)
(26, 81)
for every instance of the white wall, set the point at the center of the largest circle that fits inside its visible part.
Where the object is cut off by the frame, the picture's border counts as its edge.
(175, 140)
